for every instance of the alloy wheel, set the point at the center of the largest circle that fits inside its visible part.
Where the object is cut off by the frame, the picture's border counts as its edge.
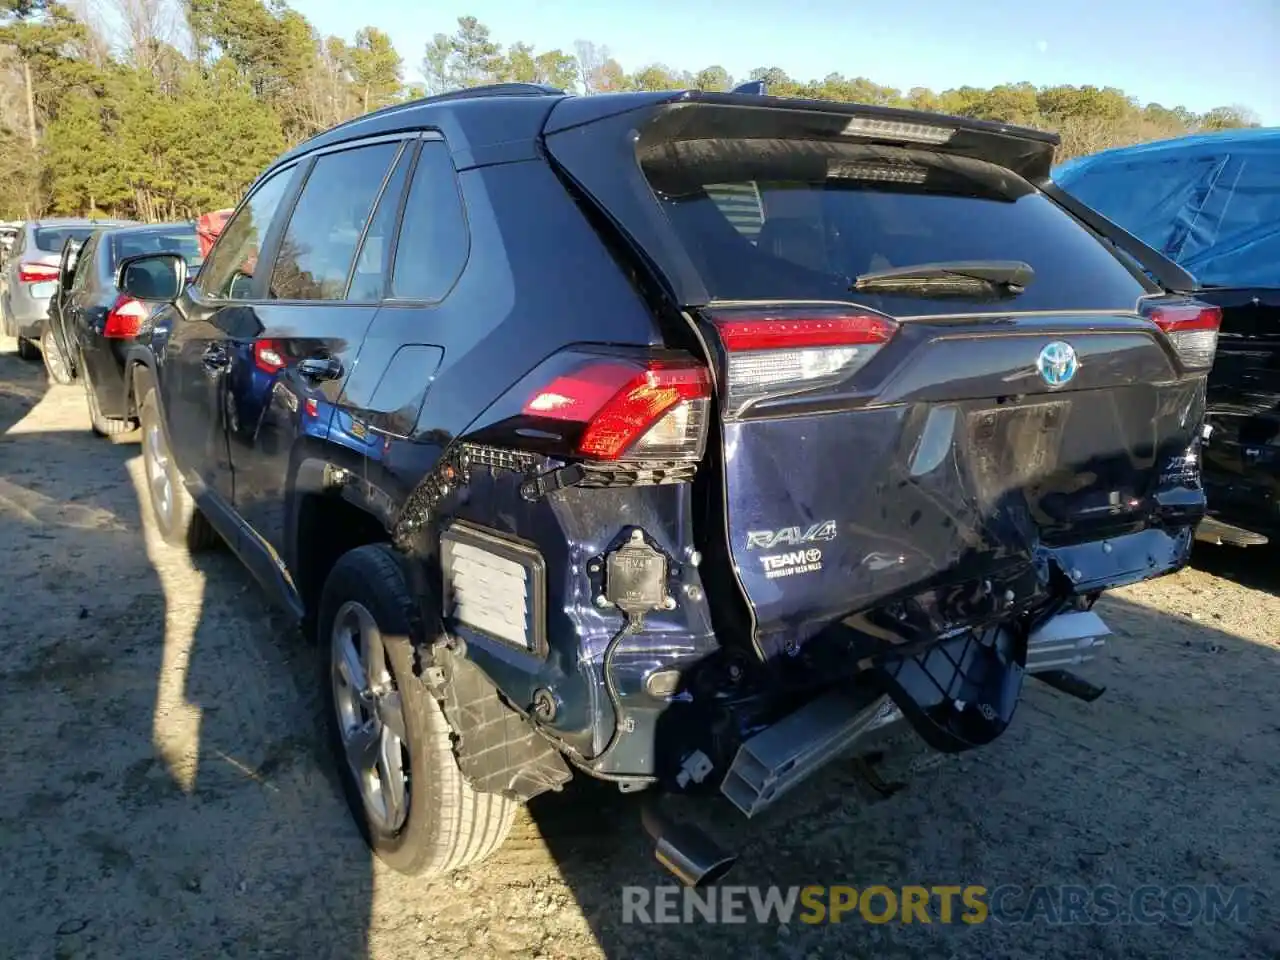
(370, 716)
(159, 483)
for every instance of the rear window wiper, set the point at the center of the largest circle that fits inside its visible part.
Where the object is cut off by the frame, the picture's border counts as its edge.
(950, 278)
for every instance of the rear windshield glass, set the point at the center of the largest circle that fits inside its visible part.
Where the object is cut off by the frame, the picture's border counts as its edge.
(802, 220)
(51, 239)
(179, 240)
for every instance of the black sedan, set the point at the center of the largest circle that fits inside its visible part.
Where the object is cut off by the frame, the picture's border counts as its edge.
(93, 321)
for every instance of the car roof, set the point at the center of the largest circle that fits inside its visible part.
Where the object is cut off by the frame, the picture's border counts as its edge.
(502, 121)
(153, 227)
(73, 222)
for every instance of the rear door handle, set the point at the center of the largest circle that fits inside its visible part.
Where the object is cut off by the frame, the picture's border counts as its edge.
(215, 359)
(320, 368)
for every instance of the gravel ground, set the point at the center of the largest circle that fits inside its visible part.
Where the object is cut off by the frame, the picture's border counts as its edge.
(162, 793)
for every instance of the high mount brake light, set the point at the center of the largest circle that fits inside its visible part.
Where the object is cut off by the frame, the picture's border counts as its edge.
(631, 410)
(774, 353)
(1192, 328)
(36, 272)
(125, 319)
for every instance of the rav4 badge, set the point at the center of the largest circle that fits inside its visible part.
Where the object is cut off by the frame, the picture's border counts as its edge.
(1057, 363)
(791, 536)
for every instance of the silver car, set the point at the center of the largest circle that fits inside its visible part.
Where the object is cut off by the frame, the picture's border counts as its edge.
(31, 276)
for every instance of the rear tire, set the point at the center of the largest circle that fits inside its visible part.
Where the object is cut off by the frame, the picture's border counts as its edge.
(411, 802)
(56, 364)
(102, 426)
(27, 350)
(175, 513)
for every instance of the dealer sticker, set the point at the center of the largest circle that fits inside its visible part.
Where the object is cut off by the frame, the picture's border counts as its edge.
(792, 563)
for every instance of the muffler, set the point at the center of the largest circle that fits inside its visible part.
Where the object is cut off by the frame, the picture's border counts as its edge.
(688, 853)
(1065, 641)
(780, 757)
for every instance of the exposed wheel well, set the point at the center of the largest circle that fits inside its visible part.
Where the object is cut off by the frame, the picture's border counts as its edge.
(328, 527)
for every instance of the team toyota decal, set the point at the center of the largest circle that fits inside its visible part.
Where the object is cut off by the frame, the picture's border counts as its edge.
(805, 559)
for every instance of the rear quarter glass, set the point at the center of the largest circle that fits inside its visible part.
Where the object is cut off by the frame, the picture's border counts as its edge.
(51, 239)
(801, 220)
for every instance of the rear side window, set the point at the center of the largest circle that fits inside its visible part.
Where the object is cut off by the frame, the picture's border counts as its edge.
(51, 239)
(180, 241)
(368, 280)
(802, 220)
(434, 242)
(319, 246)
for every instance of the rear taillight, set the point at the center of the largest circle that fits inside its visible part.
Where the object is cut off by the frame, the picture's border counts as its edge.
(629, 409)
(37, 272)
(1192, 328)
(784, 351)
(267, 356)
(125, 319)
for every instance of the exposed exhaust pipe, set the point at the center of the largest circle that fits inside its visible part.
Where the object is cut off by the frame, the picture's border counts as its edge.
(691, 856)
(781, 756)
(1067, 640)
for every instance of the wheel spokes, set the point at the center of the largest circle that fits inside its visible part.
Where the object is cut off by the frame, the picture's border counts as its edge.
(391, 776)
(371, 653)
(363, 746)
(350, 666)
(391, 712)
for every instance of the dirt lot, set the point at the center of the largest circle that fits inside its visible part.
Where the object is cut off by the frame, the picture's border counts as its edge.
(162, 793)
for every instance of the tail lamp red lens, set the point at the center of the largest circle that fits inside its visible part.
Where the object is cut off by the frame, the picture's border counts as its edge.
(37, 272)
(1192, 328)
(777, 352)
(125, 319)
(631, 410)
(268, 356)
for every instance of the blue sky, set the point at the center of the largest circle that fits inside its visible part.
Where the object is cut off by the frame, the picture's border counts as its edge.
(1157, 50)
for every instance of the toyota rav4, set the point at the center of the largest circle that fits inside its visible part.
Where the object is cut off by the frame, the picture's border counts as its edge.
(684, 440)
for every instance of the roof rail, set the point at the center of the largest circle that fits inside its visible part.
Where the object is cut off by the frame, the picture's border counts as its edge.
(496, 90)
(466, 93)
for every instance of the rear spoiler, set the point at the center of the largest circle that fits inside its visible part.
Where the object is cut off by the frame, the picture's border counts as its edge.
(1167, 273)
(1027, 152)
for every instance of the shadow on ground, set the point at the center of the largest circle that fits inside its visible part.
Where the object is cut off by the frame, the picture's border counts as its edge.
(1255, 567)
(159, 790)
(163, 792)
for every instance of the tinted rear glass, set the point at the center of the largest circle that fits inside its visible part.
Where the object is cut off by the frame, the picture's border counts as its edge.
(51, 239)
(801, 220)
(180, 240)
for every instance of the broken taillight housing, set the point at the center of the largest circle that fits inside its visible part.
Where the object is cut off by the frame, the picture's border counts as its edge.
(647, 410)
(778, 352)
(1191, 326)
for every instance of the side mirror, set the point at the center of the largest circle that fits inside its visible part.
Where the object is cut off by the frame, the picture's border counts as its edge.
(152, 276)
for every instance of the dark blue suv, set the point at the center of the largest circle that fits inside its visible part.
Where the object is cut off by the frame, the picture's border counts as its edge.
(683, 440)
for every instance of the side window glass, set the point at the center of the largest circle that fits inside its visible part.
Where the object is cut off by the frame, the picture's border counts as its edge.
(228, 272)
(319, 245)
(82, 260)
(434, 242)
(368, 280)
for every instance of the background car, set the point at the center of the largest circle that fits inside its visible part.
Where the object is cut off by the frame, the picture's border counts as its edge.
(31, 276)
(1211, 203)
(91, 321)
